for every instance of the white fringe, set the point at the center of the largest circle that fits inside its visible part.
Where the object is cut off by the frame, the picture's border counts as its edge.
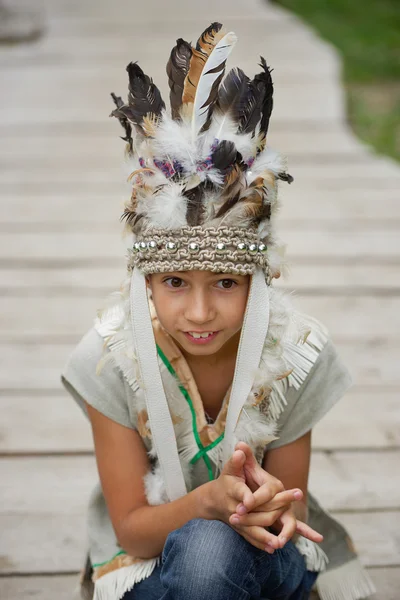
(350, 581)
(315, 557)
(301, 358)
(115, 584)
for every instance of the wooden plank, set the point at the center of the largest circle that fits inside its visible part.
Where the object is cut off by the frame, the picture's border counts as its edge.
(329, 185)
(64, 587)
(90, 20)
(115, 52)
(341, 480)
(370, 534)
(339, 280)
(355, 317)
(317, 101)
(314, 246)
(109, 171)
(357, 421)
(44, 543)
(372, 363)
(60, 426)
(83, 45)
(322, 145)
(69, 207)
(56, 484)
(66, 482)
(59, 540)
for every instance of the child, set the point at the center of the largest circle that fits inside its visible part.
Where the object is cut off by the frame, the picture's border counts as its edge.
(201, 382)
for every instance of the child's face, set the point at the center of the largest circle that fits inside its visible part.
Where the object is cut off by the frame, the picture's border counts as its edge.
(189, 302)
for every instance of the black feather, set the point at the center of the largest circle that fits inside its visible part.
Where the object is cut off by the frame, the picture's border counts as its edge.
(195, 205)
(232, 94)
(144, 97)
(224, 155)
(177, 69)
(267, 104)
(286, 177)
(123, 120)
(249, 102)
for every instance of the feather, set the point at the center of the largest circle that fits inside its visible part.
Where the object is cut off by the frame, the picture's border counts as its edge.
(267, 104)
(232, 95)
(268, 161)
(286, 177)
(250, 208)
(167, 208)
(252, 202)
(173, 138)
(208, 84)
(223, 127)
(149, 125)
(124, 122)
(205, 44)
(231, 192)
(143, 98)
(195, 205)
(255, 104)
(224, 155)
(177, 69)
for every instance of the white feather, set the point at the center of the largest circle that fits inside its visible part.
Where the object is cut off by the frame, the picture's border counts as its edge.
(223, 127)
(166, 209)
(155, 487)
(267, 160)
(173, 139)
(207, 78)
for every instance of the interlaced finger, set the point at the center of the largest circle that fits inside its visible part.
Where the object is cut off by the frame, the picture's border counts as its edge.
(259, 537)
(281, 500)
(266, 493)
(261, 519)
(240, 492)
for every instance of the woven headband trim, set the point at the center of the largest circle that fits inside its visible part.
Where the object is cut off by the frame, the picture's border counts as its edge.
(222, 249)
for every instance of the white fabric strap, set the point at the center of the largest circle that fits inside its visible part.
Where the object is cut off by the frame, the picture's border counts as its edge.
(252, 339)
(161, 426)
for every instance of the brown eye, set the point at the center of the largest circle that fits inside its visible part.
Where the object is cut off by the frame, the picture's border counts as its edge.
(227, 284)
(174, 282)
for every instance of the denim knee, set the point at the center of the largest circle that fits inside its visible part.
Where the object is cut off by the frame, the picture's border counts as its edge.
(206, 555)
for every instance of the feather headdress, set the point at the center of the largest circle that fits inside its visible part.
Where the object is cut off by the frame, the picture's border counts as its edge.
(206, 165)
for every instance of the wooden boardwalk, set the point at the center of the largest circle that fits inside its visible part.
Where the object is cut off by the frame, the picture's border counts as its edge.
(62, 190)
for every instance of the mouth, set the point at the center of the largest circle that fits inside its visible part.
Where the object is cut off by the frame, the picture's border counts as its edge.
(200, 337)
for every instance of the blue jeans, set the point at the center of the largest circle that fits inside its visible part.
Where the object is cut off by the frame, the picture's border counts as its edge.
(207, 560)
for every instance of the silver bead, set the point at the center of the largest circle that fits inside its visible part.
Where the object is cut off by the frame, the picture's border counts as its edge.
(220, 247)
(262, 248)
(242, 247)
(136, 246)
(253, 248)
(142, 246)
(171, 247)
(194, 247)
(152, 246)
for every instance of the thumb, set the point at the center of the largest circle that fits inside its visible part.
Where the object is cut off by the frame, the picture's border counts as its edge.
(234, 466)
(248, 452)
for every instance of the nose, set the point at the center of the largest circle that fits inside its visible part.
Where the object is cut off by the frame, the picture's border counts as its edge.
(199, 309)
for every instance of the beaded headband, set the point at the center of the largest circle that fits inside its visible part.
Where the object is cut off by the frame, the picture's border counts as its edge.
(204, 182)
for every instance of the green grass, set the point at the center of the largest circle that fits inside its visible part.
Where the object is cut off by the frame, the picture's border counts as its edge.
(367, 33)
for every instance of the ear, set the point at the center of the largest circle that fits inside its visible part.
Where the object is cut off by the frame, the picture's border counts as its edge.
(148, 281)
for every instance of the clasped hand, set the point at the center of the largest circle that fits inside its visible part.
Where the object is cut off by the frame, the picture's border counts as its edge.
(263, 503)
